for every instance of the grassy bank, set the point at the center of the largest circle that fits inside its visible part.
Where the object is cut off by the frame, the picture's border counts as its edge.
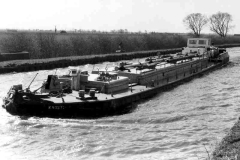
(229, 147)
(59, 62)
(51, 45)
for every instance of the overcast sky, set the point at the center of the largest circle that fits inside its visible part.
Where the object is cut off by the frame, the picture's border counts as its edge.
(106, 15)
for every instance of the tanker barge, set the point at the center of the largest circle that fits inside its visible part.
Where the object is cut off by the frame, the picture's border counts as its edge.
(100, 93)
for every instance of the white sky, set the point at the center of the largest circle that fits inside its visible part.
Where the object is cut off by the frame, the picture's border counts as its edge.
(106, 15)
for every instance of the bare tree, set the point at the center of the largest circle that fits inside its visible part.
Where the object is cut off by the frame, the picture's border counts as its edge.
(195, 22)
(220, 23)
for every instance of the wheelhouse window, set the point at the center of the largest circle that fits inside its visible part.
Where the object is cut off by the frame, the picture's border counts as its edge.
(202, 42)
(192, 41)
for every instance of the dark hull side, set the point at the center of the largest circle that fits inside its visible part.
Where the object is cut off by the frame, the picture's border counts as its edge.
(95, 108)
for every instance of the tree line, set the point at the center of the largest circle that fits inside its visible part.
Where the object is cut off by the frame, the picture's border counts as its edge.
(219, 23)
(50, 45)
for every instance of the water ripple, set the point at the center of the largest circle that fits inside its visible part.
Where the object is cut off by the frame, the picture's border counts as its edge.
(176, 124)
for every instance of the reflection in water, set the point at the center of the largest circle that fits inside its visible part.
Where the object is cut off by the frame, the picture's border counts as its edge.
(176, 124)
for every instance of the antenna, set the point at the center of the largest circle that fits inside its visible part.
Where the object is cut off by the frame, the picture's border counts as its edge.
(32, 81)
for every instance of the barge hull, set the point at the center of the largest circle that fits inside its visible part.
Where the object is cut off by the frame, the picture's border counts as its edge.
(99, 107)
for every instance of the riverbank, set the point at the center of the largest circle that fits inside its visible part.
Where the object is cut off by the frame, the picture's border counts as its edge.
(42, 45)
(60, 62)
(229, 147)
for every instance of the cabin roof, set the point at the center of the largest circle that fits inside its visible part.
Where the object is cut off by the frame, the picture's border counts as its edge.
(199, 39)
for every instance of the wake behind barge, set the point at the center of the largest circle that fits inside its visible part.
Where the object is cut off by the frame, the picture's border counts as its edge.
(99, 93)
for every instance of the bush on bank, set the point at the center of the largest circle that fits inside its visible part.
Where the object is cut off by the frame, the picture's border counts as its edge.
(51, 45)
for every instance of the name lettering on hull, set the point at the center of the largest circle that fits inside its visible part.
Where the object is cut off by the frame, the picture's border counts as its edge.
(56, 107)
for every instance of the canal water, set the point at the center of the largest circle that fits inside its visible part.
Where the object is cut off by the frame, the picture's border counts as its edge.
(185, 122)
